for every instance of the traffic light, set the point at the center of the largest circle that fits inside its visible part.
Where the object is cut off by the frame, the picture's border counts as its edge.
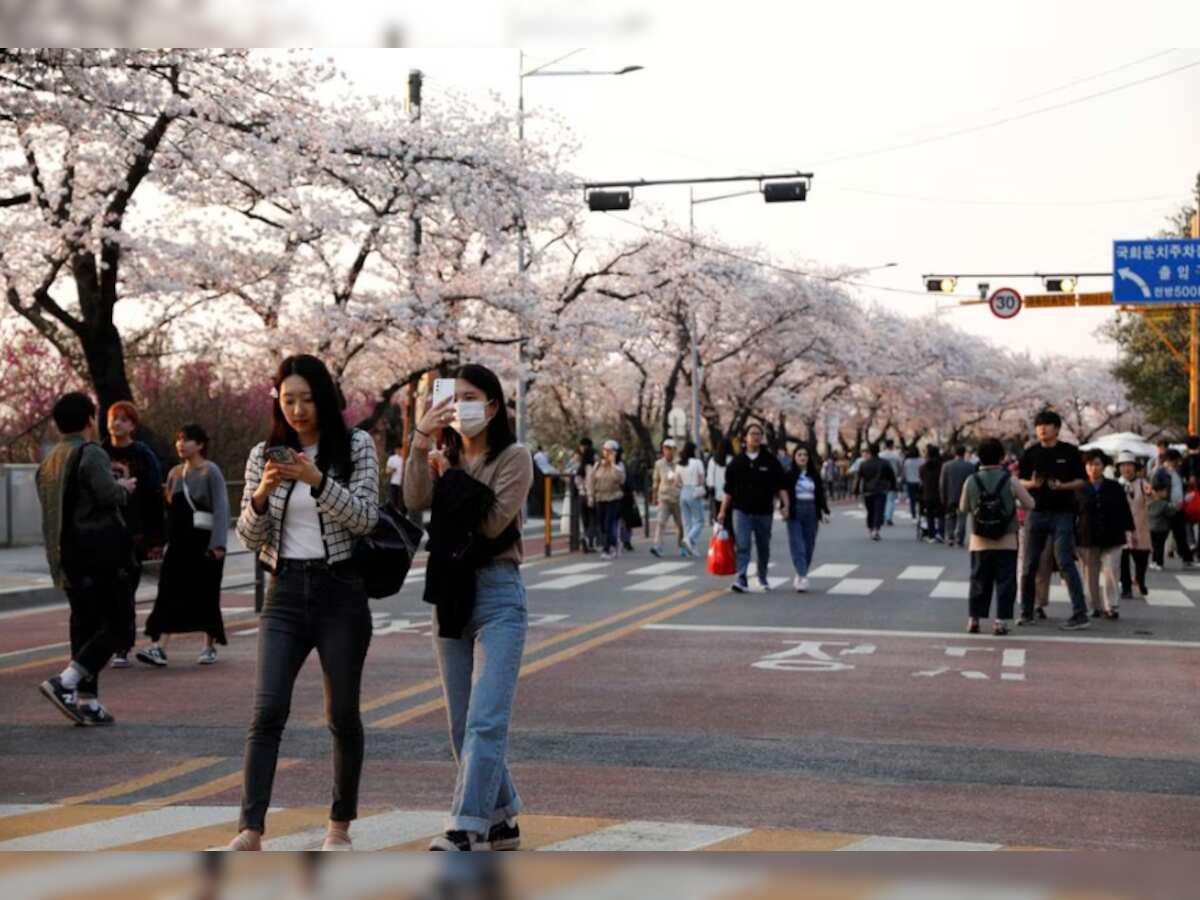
(941, 285)
(1061, 285)
(785, 191)
(609, 201)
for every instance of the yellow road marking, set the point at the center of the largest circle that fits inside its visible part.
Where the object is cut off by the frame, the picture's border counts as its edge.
(225, 782)
(144, 781)
(431, 683)
(563, 655)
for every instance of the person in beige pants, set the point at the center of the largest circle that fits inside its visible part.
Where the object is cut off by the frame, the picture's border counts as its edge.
(1105, 523)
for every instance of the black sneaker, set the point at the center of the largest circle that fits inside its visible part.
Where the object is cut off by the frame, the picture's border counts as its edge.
(458, 841)
(1040, 613)
(64, 700)
(1126, 595)
(1077, 622)
(1096, 614)
(628, 546)
(740, 587)
(95, 716)
(1112, 614)
(154, 656)
(503, 836)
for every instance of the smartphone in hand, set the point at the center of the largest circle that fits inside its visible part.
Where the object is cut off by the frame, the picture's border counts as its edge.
(280, 454)
(443, 389)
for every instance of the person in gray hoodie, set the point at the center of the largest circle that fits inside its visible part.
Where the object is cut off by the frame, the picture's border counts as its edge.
(954, 475)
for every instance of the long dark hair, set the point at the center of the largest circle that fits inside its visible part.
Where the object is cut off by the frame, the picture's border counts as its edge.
(333, 452)
(813, 470)
(499, 430)
(688, 453)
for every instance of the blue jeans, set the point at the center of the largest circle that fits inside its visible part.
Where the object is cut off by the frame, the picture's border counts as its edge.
(1058, 528)
(914, 497)
(747, 527)
(802, 536)
(692, 504)
(479, 677)
(610, 523)
(889, 510)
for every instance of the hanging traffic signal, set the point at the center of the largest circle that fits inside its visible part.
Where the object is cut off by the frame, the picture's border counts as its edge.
(609, 201)
(785, 191)
(941, 285)
(1064, 285)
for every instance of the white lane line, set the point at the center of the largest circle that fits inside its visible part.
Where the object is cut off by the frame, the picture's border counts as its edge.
(661, 583)
(872, 632)
(776, 581)
(832, 570)
(565, 583)
(35, 649)
(958, 590)
(1161, 597)
(922, 573)
(130, 829)
(20, 809)
(638, 835)
(1189, 582)
(578, 568)
(662, 568)
(387, 829)
(899, 843)
(856, 587)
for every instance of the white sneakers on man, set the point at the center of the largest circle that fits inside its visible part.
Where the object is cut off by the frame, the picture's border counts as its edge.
(800, 583)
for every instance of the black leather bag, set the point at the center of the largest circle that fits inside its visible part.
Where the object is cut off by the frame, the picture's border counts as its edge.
(385, 555)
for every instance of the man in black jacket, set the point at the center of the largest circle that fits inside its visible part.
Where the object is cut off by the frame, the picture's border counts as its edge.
(752, 482)
(875, 480)
(1105, 521)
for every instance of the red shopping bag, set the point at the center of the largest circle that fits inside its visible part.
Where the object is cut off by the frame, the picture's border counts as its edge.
(721, 557)
(1191, 506)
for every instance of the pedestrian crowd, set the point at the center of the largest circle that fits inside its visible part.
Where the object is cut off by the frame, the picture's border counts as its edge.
(311, 501)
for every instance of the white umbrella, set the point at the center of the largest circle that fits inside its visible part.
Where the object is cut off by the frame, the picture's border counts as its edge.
(1125, 441)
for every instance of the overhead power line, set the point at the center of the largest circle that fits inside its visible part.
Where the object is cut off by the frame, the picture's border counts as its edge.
(969, 201)
(905, 145)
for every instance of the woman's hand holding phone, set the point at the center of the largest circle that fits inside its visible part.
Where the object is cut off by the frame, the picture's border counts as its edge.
(437, 417)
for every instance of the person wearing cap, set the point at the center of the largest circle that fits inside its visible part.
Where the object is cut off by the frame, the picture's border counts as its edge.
(605, 487)
(1137, 548)
(665, 492)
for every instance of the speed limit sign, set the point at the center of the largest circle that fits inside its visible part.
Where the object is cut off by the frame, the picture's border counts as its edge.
(1005, 303)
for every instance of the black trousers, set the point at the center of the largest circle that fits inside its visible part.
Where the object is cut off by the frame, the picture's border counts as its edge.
(1141, 562)
(101, 621)
(993, 570)
(876, 505)
(134, 581)
(310, 605)
(1179, 531)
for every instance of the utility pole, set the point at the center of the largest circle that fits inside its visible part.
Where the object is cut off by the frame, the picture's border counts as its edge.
(1194, 343)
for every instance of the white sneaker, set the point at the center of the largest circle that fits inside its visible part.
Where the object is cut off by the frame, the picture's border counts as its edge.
(208, 656)
(606, 555)
(801, 584)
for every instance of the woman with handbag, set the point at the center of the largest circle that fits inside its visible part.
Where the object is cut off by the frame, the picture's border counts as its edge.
(481, 614)
(189, 586)
(312, 490)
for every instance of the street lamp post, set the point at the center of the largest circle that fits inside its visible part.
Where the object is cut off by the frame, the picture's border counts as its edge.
(542, 71)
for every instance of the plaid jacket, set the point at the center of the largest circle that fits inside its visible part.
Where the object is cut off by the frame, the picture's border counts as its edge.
(345, 511)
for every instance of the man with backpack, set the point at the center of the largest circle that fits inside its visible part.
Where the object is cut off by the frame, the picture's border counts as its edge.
(90, 555)
(990, 497)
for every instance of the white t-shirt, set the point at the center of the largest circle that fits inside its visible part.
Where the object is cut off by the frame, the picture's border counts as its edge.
(692, 475)
(301, 538)
(395, 465)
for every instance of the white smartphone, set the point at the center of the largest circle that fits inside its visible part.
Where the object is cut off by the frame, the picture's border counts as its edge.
(443, 389)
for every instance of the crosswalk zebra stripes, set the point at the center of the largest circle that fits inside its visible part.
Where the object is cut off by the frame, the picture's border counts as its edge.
(71, 828)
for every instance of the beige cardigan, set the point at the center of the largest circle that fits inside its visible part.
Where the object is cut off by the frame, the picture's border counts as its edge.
(1009, 542)
(1138, 493)
(510, 476)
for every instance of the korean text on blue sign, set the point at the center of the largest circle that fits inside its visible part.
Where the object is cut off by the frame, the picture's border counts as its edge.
(1156, 271)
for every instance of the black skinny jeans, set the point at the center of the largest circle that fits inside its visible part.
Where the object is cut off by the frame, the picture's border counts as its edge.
(1141, 561)
(993, 571)
(101, 619)
(310, 605)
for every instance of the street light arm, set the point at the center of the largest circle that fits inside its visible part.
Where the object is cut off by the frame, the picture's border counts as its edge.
(552, 62)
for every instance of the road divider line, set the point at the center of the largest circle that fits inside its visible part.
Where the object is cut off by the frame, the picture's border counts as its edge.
(144, 781)
(429, 684)
(937, 635)
(569, 653)
(57, 646)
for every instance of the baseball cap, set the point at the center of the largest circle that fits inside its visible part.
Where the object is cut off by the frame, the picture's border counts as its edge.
(669, 442)
(610, 444)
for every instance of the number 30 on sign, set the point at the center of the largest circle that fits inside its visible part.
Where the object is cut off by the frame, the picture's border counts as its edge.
(1005, 303)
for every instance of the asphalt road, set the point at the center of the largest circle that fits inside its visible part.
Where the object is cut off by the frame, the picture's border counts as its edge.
(658, 710)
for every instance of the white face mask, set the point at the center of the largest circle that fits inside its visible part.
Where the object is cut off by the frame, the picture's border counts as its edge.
(470, 417)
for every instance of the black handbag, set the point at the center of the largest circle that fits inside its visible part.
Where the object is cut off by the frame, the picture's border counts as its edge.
(385, 555)
(96, 548)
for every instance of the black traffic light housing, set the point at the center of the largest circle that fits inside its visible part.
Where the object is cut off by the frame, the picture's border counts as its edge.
(609, 201)
(785, 191)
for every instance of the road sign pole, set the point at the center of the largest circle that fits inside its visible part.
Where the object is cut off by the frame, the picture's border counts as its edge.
(1194, 373)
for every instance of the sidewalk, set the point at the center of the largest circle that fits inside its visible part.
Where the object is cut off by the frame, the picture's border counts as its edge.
(25, 577)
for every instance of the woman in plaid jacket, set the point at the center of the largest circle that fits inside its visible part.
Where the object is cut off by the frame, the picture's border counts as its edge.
(311, 490)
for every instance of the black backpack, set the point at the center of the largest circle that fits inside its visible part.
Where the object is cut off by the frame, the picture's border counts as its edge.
(385, 555)
(992, 515)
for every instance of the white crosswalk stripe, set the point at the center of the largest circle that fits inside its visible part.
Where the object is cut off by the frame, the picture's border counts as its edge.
(565, 583)
(371, 833)
(662, 568)
(20, 809)
(1189, 582)
(856, 587)
(832, 570)
(577, 568)
(140, 826)
(1166, 597)
(661, 583)
(899, 843)
(921, 573)
(641, 835)
(958, 590)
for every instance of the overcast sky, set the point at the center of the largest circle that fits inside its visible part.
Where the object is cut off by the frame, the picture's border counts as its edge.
(824, 91)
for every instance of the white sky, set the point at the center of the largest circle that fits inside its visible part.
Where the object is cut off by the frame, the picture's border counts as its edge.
(809, 83)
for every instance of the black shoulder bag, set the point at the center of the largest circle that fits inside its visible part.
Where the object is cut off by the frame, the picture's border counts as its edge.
(385, 555)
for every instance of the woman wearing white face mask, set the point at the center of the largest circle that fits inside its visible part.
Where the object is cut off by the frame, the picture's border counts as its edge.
(474, 582)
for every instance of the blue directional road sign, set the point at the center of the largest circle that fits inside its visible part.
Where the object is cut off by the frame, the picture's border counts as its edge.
(1156, 271)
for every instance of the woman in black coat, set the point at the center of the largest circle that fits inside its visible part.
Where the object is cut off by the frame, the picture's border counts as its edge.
(931, 495)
